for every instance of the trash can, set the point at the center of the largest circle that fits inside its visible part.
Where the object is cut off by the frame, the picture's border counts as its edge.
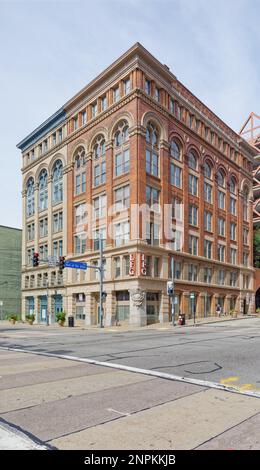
(181, 320)
(71, 321)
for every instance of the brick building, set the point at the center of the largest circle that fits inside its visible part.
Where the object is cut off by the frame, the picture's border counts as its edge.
(136, 136)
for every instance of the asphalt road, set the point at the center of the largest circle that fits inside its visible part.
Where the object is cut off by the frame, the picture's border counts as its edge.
(226, 352)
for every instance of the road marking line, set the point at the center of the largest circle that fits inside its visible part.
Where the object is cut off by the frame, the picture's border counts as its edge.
(152, 373)
(119, 412)
(229, 379)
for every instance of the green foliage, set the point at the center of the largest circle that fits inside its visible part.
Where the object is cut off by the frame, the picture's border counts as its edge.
(13, 317)
(61, 316)
(30, 317)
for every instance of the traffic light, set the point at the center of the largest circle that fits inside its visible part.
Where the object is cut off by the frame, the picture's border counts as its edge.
(170, 288)
(35, 259)
(61, 263)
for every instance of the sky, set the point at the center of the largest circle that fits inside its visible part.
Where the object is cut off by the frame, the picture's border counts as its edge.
(51, 49)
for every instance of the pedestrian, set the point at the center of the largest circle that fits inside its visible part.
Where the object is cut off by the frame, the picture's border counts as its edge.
(218, 310)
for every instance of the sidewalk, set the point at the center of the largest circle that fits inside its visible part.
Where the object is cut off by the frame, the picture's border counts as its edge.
(126, 327)
(11, 438)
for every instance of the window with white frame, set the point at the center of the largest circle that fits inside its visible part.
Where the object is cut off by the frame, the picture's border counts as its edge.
(193, 215)
(245, 236)
(83, 118)
(157, 94)
(94, 110)
(121, 149)
(152, 150)
(80, 215)
(147, 87)
(30, 232)
(208, 193)
(117, 266)
(221, 200)
(221, 226)
(193, 245)
(245, 258)
(221, 277)
(30, 207)
(43, 252)
(175, 150)
(43, 227)
(233, 230)
(233, 278)
(233, 256)
(80, 241)
(116, 94)
(98, 235)
(207, 275)
(233, 204)
(80, 171)
(152, 198)
(177, 209)
(57, 248)
(122, 198)
(193, 185)
(57, 182)
(57, 222)
(192, 272)
(100, 207)
(126, 265)
(99, 163)
(192, 160)
(121, 233)
(207, 170)
(208, 249)
(43, 190)
(175, 175)
(127, 86)
(104, 103)
(221, 252)
(208, 221)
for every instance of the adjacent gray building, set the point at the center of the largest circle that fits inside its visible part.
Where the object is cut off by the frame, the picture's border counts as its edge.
(10, 271)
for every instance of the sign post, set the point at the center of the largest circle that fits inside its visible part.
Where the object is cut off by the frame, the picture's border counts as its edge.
(192, 297)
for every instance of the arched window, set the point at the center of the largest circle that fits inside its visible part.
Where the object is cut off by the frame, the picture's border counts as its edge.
(221, 178)
(30, 197)
(192, 160)
(80, 170)
(152, 154)
(175, 150)
(245, 203)
(57, 188)
(207, 170)
(43, 190)
(99, 150)
(233, 185)
(121, 148)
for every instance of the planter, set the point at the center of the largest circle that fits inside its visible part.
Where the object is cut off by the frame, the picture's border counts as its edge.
(61, 323)
(30, 322)
(13, 321)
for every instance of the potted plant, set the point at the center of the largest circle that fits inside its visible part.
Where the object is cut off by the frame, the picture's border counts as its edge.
(13, 319)
(61, 317)
(30, 318)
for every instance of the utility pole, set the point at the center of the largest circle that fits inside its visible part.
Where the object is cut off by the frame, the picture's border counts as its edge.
(101, 281)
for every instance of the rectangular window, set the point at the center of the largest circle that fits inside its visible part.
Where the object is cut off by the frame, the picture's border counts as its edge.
(57, 222)
(152, 197)
(208, 249)
(152, 163)
(221, 277)
(207, 275)
(221, 252)
(94, 109)
(193, 215)
(43, 227)
(221, 200)
(193, 245)
(147, 87)
(83, 118)
(122, 233)
(122, 198)
(193, 185)
(233, 228)
(104, 103)
(208, 221)
(221, 227)
(116, 94)
(54, 139)
(192, 273)
(100, 233)
(172, 105)
(208, 193)
(60, 135)
(127, 86)
(233, 256)
(80, 215)
(233, 204)
(117, 266)
(233, 278)
(122, 163)
(100, 204)
(75, 123)
(176, 175)
(80, 243)
(156, 264)
(126, 265)
(152, 233)
(177, 209)
(245, 236)
(245, 259)
(157, 94)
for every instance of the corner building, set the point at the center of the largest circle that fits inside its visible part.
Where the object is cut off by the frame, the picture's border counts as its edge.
(135, 135)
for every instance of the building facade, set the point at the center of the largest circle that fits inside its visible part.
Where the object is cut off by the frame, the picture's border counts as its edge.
(10, 271)
(136, 158)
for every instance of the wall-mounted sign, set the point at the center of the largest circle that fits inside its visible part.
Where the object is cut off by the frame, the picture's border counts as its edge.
(143, 264)
(132, 264)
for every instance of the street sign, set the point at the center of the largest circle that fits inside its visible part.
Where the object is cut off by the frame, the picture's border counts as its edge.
(75, 265)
